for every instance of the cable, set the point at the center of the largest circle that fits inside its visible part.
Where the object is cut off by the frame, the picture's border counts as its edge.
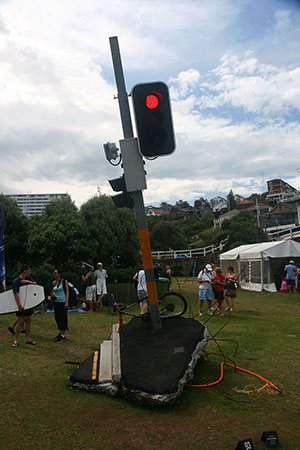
(223, 326)
(238, 368)
(231, 340)
(116, 164)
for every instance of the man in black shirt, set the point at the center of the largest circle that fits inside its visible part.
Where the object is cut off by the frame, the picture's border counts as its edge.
(22, 315)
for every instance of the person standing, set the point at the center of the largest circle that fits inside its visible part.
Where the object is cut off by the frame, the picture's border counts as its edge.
(169, 272)
(230, 290)
(140, 277)
(291, 273)
(23, 315)
(90, 291)
(205, 280)
(219, 285)
(100, 275)
(61, 304)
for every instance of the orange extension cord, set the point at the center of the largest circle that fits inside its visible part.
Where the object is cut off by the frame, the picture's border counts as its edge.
(235, 367)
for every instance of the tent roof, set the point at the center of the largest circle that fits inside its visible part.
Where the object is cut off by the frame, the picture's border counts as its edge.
(276, 249)
(235, 252)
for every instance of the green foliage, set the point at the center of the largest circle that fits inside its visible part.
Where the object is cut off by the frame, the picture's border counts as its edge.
(243, 230)
(121, 275)
(261, 198)
(58, 236)
(182, 204)
(15, 233)
(167, 234)
(193, 226)
(43, 276)
(112, 231)
(231, 201)
(177, 270)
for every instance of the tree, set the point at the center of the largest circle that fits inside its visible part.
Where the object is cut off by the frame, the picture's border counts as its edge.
(112, 230)
(182, 204)
(15, 233)
(167, 234)
(201, 202)
(243, 230)
(231, 201)
(58, 236)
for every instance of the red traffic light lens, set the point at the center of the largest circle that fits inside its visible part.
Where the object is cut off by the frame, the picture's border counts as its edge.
(153, 100)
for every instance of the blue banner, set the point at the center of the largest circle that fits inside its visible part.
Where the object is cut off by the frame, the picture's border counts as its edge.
(2, 259)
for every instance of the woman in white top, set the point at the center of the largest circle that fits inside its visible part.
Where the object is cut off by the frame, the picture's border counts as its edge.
(140, 277)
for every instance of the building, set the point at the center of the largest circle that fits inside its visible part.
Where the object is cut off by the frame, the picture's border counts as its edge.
(34, 204)
(282, 214)
(153, 211)
(280, 191)
(218, 204)
(228, 215)
(238, 198)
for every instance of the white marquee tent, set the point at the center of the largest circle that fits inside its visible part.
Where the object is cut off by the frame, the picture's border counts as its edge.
(261, 265)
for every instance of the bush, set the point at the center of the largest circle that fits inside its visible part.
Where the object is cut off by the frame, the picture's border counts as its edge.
(121, 275)
(177, 270)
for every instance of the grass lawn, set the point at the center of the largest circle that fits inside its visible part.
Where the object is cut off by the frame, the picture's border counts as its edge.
(39, 409)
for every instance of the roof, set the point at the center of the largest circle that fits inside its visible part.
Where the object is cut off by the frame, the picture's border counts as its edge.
(277, 249)
(246, 202)
(230, 213)
(234, 252)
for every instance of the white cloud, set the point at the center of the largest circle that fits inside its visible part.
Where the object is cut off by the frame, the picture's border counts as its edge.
(235, 108)
(253, 86)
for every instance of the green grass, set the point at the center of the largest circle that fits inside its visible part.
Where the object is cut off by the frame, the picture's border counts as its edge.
(39, 409)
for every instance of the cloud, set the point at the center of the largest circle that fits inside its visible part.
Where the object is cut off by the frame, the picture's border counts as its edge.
(234, 85)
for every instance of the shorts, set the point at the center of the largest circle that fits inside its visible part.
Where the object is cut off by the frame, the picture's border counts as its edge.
(90, 293)
(290, 282)
(205, 294)
(101, 289)
(27, 312)
(143, 296)
(219, 295)
(230, 293)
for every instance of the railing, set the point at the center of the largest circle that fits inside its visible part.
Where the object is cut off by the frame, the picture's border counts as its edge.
(190, 253)
(285, 234)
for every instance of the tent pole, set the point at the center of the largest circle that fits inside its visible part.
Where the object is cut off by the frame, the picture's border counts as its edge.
(261, 272)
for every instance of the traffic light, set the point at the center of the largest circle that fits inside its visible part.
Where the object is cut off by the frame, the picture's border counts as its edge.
(123, 200)
(153, 118)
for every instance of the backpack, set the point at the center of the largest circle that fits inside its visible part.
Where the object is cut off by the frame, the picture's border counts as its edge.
(73, 298)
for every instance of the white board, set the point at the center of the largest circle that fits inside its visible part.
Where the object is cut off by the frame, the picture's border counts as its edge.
(30, 296)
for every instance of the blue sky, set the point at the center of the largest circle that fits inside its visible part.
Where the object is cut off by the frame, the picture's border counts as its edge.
(232, 66)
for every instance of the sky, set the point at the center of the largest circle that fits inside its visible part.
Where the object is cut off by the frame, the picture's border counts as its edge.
(232, 67)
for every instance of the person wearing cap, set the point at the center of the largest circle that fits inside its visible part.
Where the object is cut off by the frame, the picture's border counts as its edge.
(100, 275)
(291, 271)
(205, 280)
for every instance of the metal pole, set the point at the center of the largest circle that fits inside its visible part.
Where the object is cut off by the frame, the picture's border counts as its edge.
(137, 195)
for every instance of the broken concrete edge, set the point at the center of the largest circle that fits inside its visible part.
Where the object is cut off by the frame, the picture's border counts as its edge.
(119, 390)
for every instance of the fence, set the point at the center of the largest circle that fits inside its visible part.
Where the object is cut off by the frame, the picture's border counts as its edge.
(190, 253)
(290, 233)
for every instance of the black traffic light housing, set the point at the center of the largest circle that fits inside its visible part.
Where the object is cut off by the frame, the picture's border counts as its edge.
(123, 200)
(153, 118)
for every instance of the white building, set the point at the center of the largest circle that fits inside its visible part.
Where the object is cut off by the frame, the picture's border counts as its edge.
(34, 204)
(218, 203)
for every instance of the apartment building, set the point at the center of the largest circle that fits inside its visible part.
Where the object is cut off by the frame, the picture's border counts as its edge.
(34, 204)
